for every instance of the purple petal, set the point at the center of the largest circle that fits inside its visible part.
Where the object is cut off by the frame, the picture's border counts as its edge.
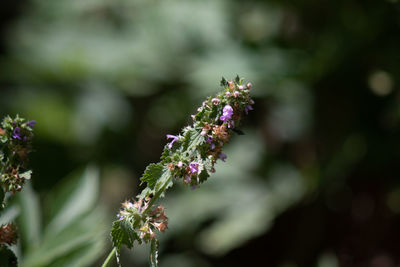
(222, 157)
(31, 123)
(194, 167)
(17, 133)
(174, 139)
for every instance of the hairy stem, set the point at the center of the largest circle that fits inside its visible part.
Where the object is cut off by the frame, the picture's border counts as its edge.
(110, 257)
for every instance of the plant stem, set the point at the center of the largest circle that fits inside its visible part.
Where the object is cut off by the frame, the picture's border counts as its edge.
(110, 257)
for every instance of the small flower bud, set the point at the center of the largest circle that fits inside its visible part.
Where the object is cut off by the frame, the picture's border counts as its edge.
(236, 94)
(249, 85)
(240, 87)
(228, 94)
(215, 101)
(161, 226)
(231, 85)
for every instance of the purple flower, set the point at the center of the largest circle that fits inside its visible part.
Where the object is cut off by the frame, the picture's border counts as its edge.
(31, 123)
(174, 139)
(222, 157)
(247, 108)
(194, 167)
(188, 180)
(209, 141)
(227, 113)
(17, 133)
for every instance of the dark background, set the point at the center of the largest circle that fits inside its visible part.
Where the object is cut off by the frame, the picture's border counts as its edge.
(315, 180)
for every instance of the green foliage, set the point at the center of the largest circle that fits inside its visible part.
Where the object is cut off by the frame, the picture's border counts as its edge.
(68, 228)
(152, 173)
(192, 140)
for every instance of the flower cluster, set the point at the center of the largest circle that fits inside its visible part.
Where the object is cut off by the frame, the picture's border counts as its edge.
(213, 124)
(15, 145)
(188, 157)
(144, 219)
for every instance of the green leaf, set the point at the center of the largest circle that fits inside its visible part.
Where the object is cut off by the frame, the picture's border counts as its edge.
(203, 176)
(9, 214)
(163, 183)
(224, 82)
(83, 234)
(237, 79)
(165, 154)
(29, 219)
(7, 257)
(123, 233)
(75, 199)
(151, 174)
(26, 175)
(192, 140)
(154, 252)
(3, 138)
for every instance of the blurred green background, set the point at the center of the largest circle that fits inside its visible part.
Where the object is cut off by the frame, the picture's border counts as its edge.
(315, 180)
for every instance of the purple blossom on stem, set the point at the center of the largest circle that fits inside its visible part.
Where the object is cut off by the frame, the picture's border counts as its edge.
(247, 108)
(174, 139)
(17, 133)
(222, 157)
(188, 179)
(227, 113)
(31, 123)
(194, 167)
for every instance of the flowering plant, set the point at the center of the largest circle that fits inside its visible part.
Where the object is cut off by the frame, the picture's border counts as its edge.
(188, 157)
(15, 145)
